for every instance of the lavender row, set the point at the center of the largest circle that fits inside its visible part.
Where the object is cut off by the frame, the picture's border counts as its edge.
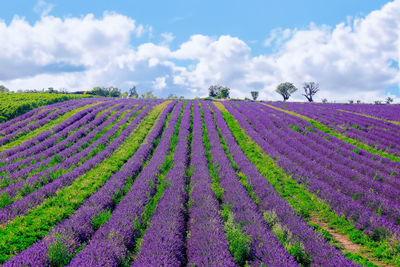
(13, 189)
(19, 125)
(388, 112)
(78, 228)
(265, 247)
(116, 237)
(357, 186)
(49, 147)
(56, 113)
(11, 153)
(39, 138)
(342, 204)
(352, 165)
(37, 124)
(380, 134)
(26, 117)
(26, 203)
(271, 202)
(368, 161)
(41, 113)
(72, 160)
(38, 152)
(336, 172)
(377, 133)
(205, 247)
(164, 243)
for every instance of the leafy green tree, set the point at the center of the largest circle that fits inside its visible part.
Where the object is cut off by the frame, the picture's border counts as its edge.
(214, 91)
(224, 93)
(106, 91)
(254, 95)
(100, 91)
(4, 89)
(286, 89)
(114, 92)
(218, 91)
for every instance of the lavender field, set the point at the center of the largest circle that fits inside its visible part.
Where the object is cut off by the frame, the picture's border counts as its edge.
(134, 182)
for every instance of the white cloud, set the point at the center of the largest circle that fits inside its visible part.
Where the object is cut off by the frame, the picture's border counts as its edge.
(168, 37)
(353, 60)
(159, 83)
(349, 60)
(278, 36)
(43, 8)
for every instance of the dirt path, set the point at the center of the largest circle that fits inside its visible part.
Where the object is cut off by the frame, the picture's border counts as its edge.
(344, 241)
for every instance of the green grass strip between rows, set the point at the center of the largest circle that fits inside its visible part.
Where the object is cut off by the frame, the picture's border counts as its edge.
(44, 128)
(23, 231)
(369, 116)
(28, 188)
(295, 248)
(239, 241)
(326, 129)
(306, 204)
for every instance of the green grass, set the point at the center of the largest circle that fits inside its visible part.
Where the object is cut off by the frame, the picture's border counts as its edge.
(142, 224)
(283, 234)
(306, 204)
(238, 240)
(23, 231)
(101, 219)
(58, 253)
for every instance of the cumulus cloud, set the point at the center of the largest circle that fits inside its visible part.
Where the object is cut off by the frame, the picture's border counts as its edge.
(353, 60)
(159, 83)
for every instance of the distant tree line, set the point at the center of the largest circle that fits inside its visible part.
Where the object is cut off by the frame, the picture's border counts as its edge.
(285, 89)
(103, 91)
(219, 92)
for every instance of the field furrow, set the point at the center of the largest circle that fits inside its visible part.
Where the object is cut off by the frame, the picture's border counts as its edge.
(151, 182)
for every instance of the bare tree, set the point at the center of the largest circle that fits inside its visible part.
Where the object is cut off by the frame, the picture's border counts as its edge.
(310, 89)
(285, 90)
(389, 100)
(133, 92)
(254, 95)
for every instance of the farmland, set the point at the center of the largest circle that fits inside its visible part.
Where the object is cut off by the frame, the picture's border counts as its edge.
(134, 182)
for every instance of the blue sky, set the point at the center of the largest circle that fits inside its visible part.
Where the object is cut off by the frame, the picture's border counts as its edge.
(251, 21)
(236, 43)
